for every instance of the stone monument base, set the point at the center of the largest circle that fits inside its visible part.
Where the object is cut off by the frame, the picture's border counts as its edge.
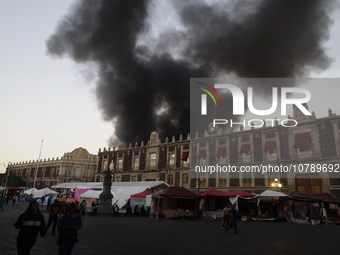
(105, 206)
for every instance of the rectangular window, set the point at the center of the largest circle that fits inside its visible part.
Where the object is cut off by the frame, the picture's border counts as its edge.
(202, 157)
(271, 151)
(272, 155)
(303, 151)
(246, 157)
(221, 155)
(152, 160)
(222, 182)
(120, 164)
(303, 145)
(172, 160)
(186, 163)
(104, 165)
(245, 152)
(185, 159)
(246, 180)
(202, 182)
(135, 163)
(170, 179)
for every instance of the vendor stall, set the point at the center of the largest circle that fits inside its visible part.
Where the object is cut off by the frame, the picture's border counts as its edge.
(139, 198)
(315, 208)
(175, 202)
(216, 200)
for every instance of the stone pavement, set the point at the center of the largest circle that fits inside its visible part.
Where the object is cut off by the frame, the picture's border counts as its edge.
(139, 235)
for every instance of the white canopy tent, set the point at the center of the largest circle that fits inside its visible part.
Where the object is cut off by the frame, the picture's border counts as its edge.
(121, 195)
(40, 193)
(91, 194)
(99, 185)
(269, 194)
(47, 192)
(30, 191)
(121, 191)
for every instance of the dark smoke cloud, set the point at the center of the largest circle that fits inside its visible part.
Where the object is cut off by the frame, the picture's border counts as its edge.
(141, 88)
(280, 38)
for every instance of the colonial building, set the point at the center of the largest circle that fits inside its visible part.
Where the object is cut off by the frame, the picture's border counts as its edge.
(75, 166)
(308, 151)
(154, 161)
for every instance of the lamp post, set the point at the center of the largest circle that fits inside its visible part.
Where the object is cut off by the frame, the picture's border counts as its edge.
(277, 184)
(36, 171)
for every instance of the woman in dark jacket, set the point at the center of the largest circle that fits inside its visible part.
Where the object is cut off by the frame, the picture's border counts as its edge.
(31, 222)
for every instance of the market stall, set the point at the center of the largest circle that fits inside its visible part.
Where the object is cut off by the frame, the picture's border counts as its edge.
(315, 208)
(90, 196)
(139, 198)
(272, 206)
(216, 200)
(175, 202)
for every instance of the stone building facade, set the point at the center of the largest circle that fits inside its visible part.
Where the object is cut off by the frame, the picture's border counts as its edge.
(154, 161)
(76, 166)
(312, 141)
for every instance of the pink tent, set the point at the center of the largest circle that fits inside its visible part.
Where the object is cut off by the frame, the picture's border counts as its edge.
(78, 193)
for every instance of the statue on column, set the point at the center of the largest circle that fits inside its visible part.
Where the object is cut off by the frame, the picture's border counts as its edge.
(105, 205)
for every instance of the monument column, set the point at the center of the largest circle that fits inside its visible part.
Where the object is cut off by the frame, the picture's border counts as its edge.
(105, 205)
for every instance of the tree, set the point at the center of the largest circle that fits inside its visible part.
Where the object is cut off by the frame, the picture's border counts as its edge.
(13, 180)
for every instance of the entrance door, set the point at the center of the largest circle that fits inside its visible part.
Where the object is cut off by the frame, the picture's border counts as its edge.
(308, 184)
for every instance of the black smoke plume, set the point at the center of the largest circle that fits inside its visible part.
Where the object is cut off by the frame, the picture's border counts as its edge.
(142, 88)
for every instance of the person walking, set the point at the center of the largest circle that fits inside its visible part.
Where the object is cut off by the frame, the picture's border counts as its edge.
(54, 211)
(83, 208)
(226, 216)
(232, 220)
(1, 203)
(30, 223)
(68, 227)
(136, 210)
(42, 200)
(14, 197)
(49, 202)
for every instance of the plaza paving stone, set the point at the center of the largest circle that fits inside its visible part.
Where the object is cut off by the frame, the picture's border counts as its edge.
(143, 235)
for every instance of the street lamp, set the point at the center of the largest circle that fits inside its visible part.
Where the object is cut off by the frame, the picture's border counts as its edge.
(277, 184)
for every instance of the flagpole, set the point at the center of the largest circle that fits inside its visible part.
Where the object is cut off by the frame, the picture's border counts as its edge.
(36, 171)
